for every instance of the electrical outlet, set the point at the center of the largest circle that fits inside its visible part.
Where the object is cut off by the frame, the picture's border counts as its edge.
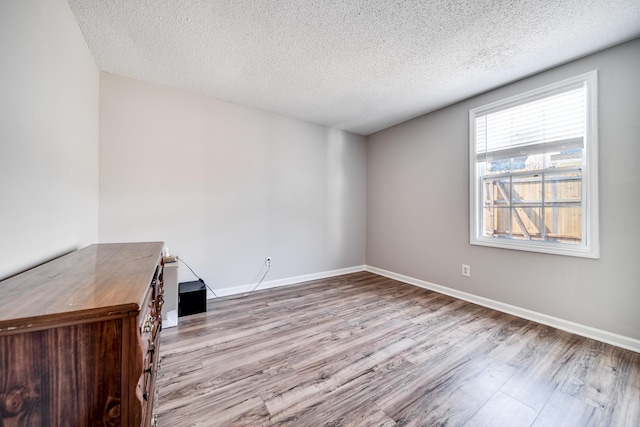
(466, 270)
(267, 261)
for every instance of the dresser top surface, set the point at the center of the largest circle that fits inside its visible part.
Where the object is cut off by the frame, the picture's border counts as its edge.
(99, 280)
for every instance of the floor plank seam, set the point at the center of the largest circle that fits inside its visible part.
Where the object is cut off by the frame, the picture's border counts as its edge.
(364, 348)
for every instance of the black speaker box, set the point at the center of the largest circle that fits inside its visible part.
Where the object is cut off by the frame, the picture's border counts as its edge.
(192, 298)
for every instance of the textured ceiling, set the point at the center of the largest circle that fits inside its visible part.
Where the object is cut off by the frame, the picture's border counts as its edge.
(358, 65)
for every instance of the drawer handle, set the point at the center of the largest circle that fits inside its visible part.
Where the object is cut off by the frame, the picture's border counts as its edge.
(148, 323)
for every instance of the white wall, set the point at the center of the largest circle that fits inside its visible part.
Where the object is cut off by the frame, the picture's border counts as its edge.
(418, 207)
(48, 134)
(225, 185)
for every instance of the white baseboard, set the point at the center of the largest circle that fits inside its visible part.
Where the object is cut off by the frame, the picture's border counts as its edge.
(286, 281)
(566, 325)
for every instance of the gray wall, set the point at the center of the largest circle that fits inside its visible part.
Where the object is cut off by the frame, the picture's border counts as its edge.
(48, 134)
(225, 186)
(418, 207)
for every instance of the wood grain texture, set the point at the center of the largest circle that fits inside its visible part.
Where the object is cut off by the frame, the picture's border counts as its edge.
(40, 367)
(364, 350)
(102, 279)
(94, 364)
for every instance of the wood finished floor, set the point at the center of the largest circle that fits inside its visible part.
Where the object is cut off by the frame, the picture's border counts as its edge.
(364, 350)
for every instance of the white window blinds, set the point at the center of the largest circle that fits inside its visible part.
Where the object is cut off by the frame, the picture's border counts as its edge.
(552, 123)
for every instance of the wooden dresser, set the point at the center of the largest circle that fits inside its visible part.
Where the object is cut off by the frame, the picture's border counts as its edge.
(79, 338)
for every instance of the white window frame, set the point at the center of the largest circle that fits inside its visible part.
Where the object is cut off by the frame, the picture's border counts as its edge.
(590, 247)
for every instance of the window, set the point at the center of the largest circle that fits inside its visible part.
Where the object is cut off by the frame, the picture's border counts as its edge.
(534, 169)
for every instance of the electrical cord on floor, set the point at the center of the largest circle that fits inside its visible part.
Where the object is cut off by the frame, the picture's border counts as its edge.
(260, 282)
(214, 294)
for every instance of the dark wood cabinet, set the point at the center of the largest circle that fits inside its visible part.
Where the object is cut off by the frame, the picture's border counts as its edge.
(79, 338)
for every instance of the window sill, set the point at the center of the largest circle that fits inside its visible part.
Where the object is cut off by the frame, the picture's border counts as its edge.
(540, 247)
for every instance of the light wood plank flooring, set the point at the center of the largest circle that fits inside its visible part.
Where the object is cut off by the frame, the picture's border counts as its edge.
(364, 350)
